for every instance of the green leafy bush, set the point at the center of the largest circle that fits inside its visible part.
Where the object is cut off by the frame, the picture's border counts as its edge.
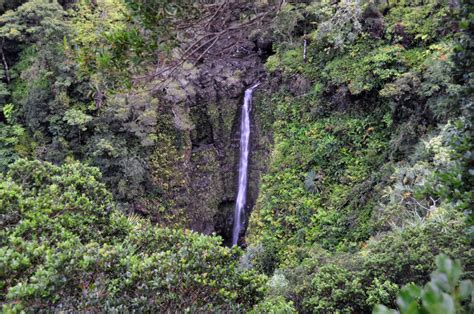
(37, 21)
(445, 293)
(65, 247)
(369, 71)
(355, 282)
(274, 305)
(334, 289)
(422, 23)
(407, 255)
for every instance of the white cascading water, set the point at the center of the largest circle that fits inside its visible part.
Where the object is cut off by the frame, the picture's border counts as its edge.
(243, 164)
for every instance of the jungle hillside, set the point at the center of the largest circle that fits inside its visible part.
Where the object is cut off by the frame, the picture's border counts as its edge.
(235, 156)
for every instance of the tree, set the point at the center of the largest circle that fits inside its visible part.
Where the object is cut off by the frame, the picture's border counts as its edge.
(38, 21)
(65, 247)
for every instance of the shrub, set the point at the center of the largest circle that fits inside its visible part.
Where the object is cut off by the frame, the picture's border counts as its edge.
(445, 293)
(274, 305)
(334, 289)
(407, 255)
(64, 247)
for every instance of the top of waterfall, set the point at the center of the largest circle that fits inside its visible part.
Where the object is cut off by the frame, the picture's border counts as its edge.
(254, 86)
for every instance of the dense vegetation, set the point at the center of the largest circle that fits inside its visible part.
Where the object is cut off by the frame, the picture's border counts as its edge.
(370, 172)
(65, 246)
(365, 112)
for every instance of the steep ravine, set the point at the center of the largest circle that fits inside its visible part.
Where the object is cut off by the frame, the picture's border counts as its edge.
(206, 106)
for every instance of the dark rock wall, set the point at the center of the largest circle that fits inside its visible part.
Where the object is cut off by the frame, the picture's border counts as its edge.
(206, 102)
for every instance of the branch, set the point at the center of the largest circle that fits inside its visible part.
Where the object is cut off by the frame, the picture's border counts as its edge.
(418, 203)
(215, 14)
(210, 40)
(208, 48)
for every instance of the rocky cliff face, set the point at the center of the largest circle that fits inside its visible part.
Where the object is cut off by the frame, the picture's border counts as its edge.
(206, 101)
(193, 163)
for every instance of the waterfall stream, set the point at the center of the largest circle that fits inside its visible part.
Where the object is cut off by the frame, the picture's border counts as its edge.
(243, 164)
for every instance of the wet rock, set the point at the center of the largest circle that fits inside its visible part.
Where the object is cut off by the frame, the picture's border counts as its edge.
(205, 97)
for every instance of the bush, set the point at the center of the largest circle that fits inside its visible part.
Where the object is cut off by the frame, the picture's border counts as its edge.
(274, 305)
(354, 282)
(64, 247)
(407, 255)
(445, 293)
(334, 289)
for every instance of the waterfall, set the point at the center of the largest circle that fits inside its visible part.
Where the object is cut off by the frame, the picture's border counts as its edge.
(243, 164)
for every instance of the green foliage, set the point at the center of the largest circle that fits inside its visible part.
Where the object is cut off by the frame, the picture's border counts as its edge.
(369, 71)
(421, 23)
(291, 62)
(355, 282)
(35, 21)
(275, 305)
(341, 27)
(10, 4)
(454, 182)
(161, 14)
(4, 92)
(370, 174)
(74, 117)
(8, 110)
(463, 54)
(71, 102)
(108, 45)
(14, 144)
(334, 289)
(368, 177)
(407, 255)
(445, 293)
(123, 136)
(272, 63)
(286, 20)
(65, 247)
(314, 171)
(381, 291)
(404, 256)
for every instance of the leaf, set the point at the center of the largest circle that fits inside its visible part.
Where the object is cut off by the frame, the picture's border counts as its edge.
(465, 289)
(406, 300)
(382, 309)
(414, 291)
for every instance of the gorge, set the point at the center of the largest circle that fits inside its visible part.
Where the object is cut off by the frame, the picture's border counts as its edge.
(236, 156)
